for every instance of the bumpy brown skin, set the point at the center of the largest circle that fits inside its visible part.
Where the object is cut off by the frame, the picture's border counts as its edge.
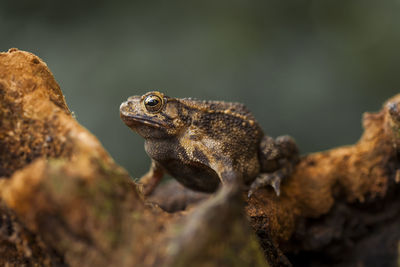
(205, 143)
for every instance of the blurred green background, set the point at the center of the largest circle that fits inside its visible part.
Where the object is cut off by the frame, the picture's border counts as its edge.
(305, 68)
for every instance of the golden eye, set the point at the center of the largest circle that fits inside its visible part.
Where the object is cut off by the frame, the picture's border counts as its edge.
(153, 103)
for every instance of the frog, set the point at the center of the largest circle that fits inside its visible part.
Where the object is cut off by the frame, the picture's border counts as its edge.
(205, 144)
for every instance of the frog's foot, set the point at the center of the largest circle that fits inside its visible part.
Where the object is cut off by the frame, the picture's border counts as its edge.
(273, 179)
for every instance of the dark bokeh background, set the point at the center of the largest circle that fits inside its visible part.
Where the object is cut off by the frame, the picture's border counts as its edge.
(305, 68)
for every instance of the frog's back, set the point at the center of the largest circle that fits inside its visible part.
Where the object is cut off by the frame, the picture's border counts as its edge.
(234, 109)
(229, 128)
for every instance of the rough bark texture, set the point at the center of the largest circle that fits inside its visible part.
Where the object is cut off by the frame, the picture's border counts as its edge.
(341, 206)
(65, 202)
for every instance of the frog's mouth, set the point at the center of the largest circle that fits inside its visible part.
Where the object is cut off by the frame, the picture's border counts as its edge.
(134, 121)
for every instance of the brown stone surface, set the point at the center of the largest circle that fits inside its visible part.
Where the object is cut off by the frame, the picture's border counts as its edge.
(65, 202)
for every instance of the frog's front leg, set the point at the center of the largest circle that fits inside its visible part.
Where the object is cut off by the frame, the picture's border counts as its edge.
(152, 178)
(278, 158)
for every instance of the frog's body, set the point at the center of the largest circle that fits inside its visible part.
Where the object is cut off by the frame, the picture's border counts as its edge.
(205, 143)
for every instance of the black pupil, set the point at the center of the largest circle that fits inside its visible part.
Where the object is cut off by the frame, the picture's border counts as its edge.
(152, 102)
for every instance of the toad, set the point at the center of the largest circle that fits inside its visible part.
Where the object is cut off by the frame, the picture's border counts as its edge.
(203, 144)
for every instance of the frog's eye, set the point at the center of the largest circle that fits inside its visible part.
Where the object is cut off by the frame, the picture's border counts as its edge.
(153, 103)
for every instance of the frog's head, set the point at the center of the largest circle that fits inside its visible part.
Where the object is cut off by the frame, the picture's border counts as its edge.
(153, 115)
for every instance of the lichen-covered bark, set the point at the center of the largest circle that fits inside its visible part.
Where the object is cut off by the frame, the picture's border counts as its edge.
(64, 201)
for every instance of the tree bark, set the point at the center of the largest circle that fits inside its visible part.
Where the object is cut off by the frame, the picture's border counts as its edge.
(65, 202)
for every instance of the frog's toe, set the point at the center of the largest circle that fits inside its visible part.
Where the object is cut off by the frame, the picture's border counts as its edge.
(273, 179)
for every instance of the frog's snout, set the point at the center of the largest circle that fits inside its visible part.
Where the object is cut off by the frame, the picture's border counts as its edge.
(123, 107)
(129, 107)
